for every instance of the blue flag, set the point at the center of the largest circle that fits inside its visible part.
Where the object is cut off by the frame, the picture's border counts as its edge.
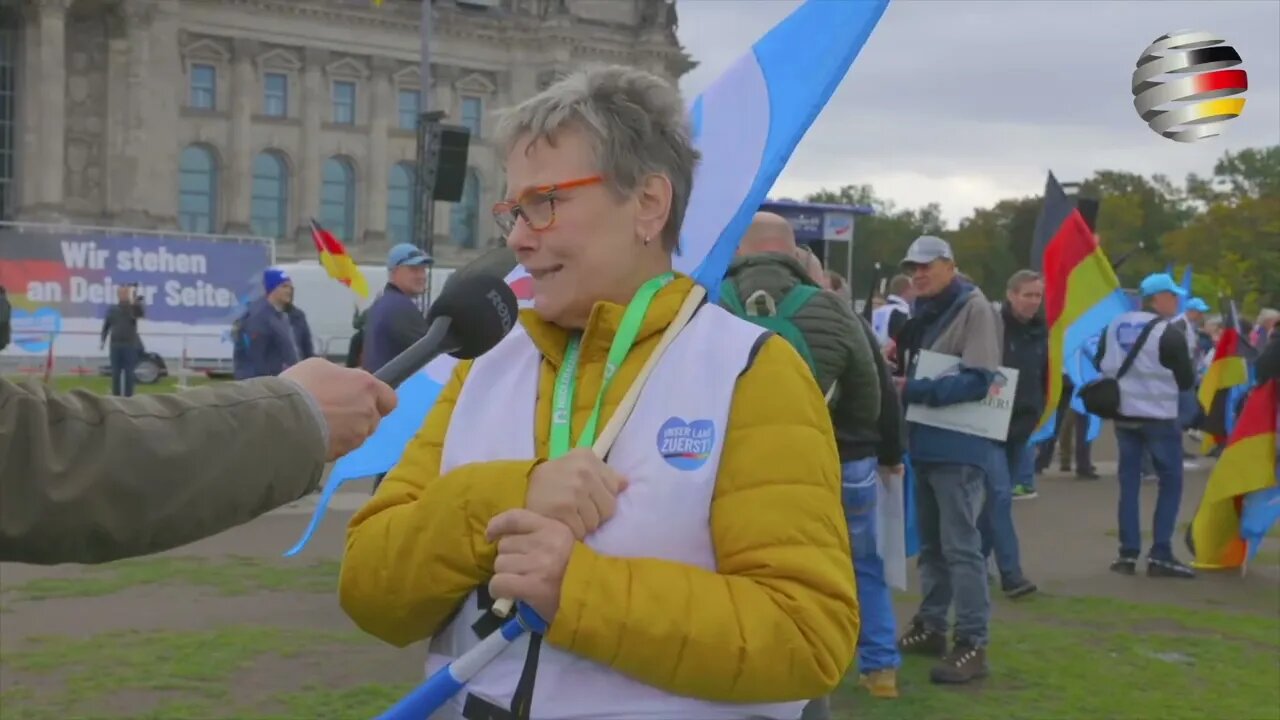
(746, 125)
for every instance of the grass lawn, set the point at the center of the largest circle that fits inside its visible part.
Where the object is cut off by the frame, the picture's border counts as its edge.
(1063, 658)
(230, 576)
(1052, 657)
(187, 675)
(102, 385)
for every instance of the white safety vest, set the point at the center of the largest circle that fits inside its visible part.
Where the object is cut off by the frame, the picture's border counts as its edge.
(1149, 389)
(669, 450)
(881, 315)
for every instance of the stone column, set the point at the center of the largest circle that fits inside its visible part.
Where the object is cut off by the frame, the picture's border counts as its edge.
(315, 98)
(155, 80)
(51, 26)
(118, 175)
(381, 103)
(30, 169)
(237, 180)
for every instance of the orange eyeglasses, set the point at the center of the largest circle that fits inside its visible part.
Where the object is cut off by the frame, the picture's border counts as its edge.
(537, 205)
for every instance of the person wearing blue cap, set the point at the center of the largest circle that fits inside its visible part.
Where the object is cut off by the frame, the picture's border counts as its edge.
(395, 321)
(264, 335)
(1151, 363)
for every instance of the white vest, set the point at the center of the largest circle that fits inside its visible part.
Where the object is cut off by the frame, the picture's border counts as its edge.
(669, 450)
(881, 315)
(1149, 389)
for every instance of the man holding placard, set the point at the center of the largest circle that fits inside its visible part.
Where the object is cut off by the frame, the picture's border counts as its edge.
(959, 403)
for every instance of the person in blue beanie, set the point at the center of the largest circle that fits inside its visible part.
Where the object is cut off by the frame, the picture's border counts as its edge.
(264, 334)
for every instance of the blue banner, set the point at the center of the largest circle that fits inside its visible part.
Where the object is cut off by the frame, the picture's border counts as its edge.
(76, 276)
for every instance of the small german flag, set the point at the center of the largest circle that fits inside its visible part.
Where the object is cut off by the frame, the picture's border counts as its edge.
(1227, 371)
(1247, 464)
(336, 261)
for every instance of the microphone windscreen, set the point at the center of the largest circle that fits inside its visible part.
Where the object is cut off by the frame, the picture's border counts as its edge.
(481, 308)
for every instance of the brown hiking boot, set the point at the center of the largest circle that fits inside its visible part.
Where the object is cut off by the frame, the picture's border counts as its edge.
(919, 640)
(964, 663)
(881, 683)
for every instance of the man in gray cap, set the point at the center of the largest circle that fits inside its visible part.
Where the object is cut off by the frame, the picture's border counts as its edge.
(952, 317)
(394, 320)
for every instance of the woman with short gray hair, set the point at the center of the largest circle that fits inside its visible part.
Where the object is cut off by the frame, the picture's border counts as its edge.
(702, 569)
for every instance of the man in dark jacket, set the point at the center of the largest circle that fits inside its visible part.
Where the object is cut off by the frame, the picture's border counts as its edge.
(301, 328)
(949, 317)
(121, 324)
(1026, 349)
(844, 353)
(394, 321)
(1268, 364)
(265, 331)
(6, 318)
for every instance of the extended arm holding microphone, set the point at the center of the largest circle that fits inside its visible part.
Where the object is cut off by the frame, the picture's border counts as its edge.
(470, 317)
(416, 356)
(466, 321)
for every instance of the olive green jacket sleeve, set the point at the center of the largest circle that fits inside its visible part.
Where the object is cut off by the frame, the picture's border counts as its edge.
(89, 479)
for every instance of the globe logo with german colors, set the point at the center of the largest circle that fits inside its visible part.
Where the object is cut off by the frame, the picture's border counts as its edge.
(1186, 83)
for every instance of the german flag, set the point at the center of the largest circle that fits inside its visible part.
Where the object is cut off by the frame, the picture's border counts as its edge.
(1082, 294)
(27, 261)
(1248, 464)
(1228, 370)
(336, 261)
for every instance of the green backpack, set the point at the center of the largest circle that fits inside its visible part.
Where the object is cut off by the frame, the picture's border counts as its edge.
(761, 310)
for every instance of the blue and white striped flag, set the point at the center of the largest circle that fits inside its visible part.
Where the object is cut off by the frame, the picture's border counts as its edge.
(746, 125)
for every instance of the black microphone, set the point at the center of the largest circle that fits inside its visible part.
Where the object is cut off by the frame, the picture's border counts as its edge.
(466, 321)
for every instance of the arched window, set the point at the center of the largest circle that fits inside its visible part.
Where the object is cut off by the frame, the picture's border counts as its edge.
(197, 190)
(269, 202)
(338, 199)
(465, 215)
(400, 201)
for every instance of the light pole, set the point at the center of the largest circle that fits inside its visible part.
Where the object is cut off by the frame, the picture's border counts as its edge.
(428, 150)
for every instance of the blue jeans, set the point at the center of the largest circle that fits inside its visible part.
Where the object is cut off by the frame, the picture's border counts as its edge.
(124, 360)
(1022, 465)
(1163, 440)
(996, 521)
(949, 499)
(878, 635)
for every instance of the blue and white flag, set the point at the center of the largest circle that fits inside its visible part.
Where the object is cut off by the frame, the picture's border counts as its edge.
(746, 125)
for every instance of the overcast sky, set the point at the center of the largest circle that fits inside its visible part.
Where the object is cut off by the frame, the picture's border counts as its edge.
(965, 103)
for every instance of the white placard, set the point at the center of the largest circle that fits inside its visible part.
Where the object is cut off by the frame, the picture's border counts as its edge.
(988, 417)
(891, 529)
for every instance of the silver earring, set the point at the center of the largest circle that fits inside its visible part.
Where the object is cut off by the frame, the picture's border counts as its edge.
(647, 238)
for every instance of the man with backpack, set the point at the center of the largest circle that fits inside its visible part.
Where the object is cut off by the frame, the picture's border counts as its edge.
(767, 284)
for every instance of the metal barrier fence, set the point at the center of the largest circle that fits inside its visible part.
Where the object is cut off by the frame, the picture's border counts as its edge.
(182, 364)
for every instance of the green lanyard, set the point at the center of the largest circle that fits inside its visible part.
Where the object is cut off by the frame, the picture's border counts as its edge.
(562, 398)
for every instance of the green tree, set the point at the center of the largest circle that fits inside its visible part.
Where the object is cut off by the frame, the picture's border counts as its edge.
(881, 237)
(1238, 246)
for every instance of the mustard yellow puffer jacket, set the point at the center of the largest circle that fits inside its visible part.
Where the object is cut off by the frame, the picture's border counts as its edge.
(777, 622)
